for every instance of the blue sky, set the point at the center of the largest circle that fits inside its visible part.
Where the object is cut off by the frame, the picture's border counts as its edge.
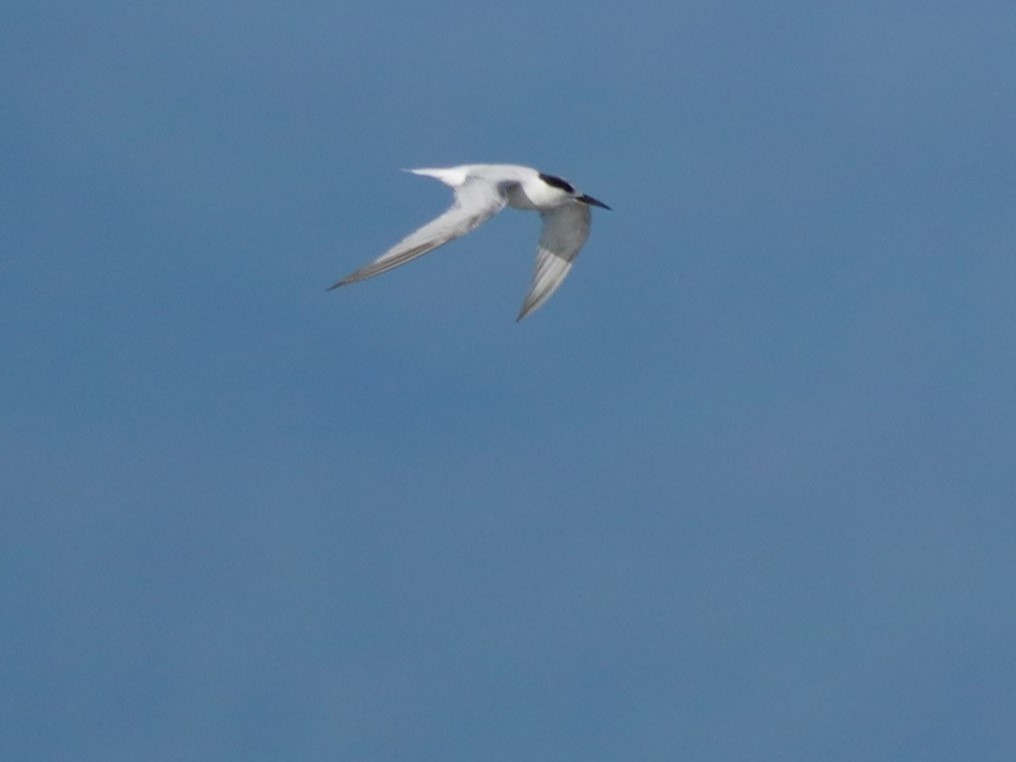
(743, 489)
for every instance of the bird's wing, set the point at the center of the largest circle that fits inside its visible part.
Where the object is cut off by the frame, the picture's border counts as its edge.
(476, 201)
(565, 229)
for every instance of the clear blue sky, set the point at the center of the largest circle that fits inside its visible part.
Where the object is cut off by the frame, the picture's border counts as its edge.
(744, 489)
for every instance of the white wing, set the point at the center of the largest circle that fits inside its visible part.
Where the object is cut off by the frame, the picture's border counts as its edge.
(475, 202)
(565, 229)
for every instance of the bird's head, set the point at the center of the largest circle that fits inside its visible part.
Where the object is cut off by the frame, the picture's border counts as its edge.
(567, 188)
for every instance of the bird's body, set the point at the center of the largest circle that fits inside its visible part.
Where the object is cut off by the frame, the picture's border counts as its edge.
(483, 190)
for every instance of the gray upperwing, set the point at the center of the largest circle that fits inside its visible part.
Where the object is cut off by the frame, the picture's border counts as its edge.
(565, 229)
(476, 201)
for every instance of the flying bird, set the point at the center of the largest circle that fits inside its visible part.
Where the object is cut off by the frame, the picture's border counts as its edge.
(483, 190)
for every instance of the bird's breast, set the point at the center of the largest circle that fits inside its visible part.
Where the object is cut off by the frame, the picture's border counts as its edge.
(519, 199)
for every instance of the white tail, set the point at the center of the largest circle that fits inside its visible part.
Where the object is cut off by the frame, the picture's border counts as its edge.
(453, 176)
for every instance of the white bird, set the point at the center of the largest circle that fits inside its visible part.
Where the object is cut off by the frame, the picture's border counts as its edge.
(483, 190)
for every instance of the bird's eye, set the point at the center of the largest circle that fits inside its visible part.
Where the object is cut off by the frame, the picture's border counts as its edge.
(557, 182)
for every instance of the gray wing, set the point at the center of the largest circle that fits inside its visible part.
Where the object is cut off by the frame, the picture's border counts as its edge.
(565, 229)
(475, 202)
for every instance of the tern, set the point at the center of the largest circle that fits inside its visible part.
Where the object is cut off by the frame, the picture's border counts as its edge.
(483, 190)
